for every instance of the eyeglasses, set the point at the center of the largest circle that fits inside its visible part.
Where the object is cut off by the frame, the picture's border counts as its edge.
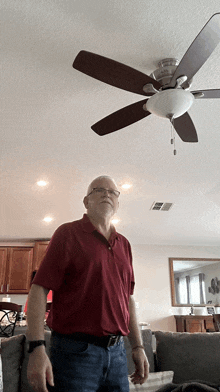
(111, 192)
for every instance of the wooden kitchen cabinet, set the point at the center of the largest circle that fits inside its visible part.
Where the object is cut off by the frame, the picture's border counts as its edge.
(39, 252)
(194, 323)
(3, 261)
(16, 266)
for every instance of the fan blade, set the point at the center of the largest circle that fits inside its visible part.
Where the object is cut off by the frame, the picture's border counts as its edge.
(121, 119)
(200, 50)
(185, 128)
(112, 72)
(206, 93)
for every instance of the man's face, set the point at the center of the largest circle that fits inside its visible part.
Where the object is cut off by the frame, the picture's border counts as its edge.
(99, 200)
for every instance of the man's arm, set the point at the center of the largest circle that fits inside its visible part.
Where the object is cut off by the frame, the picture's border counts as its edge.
(37, 300)
(39, 368)
(138, 354)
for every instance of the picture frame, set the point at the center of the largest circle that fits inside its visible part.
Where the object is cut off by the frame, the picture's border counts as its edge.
(210, 310)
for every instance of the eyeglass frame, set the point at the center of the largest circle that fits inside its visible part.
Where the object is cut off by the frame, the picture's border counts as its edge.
(112, 192)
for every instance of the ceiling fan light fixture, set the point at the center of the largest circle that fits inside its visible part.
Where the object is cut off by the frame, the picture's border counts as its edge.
(173, 102)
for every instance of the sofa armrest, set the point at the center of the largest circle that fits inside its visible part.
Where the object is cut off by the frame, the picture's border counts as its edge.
(11, 355)
(147, 343)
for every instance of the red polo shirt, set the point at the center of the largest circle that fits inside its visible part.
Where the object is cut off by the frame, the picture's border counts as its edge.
(91, 278)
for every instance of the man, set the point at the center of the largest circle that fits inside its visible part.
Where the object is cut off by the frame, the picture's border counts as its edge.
(88, 265)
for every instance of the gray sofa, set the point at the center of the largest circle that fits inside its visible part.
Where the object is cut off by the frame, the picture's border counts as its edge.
(191, 357)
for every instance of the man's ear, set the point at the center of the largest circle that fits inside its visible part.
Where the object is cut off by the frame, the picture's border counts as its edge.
(85, 201)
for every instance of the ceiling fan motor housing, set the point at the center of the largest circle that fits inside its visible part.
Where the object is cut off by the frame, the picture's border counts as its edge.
(171, 103)
(165, 71)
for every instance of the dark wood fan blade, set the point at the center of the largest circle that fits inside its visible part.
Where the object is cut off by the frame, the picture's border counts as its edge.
(112, 72)
(185, 128)
(121, 119)
(200, 49)
(207, 94)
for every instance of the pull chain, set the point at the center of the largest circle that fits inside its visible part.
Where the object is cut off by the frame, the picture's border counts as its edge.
(173, 134)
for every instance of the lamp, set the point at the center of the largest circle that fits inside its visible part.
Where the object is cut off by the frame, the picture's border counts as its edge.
(170, 103)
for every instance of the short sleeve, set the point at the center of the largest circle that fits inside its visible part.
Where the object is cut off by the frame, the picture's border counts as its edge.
(51, 272)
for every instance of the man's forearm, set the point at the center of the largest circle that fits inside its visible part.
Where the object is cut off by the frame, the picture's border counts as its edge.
(134, 335)
(37, 300)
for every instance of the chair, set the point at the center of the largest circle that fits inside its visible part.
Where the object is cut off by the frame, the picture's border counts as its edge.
(11, 313)
(216, 322)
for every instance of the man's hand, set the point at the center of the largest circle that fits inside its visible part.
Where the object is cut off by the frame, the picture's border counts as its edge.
(141, 366)
(39, 370)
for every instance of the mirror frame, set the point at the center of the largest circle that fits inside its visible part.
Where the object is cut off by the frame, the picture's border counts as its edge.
(172, 285)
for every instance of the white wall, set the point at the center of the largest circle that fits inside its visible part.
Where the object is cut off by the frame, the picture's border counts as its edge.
(152, 290)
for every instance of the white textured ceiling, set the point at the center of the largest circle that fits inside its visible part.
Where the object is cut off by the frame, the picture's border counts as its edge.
(48, 109)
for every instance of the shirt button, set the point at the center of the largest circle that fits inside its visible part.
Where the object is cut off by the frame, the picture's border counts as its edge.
(109, 247)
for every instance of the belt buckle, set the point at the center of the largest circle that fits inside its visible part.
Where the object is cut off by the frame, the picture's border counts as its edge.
(111, 338)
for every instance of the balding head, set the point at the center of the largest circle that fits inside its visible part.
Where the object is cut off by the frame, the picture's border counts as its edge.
(98, 180)
(101, 204)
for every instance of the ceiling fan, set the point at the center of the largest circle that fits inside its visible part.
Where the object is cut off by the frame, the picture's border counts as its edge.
(167, 88)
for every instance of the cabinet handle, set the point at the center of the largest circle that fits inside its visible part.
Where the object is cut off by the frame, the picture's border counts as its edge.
(1, 287)
(7, 287)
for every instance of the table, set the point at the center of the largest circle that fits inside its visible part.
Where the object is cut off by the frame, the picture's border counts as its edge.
(194, 323)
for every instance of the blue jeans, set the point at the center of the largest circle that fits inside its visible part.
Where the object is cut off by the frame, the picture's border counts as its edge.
(84, 367)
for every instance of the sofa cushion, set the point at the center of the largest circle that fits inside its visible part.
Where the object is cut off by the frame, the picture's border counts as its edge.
(192, 356)
(25, 386)
(154, 382)
(11, 354)
(1, 375)
(147, 342)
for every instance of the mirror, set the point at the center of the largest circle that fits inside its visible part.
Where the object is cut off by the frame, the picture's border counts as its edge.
(195, 281)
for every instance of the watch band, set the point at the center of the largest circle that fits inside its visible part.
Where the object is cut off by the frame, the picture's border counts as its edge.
(35, 343)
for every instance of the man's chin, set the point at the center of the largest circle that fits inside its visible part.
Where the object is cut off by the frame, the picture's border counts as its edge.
(106, 209)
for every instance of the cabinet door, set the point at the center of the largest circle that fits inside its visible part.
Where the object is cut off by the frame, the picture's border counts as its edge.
(209, 325)
(195, 325)
(39, 252)
(3, 261)
(19, 270)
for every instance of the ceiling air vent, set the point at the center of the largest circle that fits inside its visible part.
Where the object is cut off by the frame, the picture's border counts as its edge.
(159, 206)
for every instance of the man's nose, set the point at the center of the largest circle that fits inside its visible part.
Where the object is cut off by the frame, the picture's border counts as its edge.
(106, 191)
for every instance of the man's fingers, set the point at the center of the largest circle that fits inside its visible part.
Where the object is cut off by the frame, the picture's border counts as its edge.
(38, 385)
(49, 377)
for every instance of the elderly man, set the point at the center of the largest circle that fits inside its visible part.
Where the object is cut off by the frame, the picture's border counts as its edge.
(88, 265)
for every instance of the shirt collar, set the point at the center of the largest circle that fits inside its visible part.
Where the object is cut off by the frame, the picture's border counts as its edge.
(89, 228)
(87, 224)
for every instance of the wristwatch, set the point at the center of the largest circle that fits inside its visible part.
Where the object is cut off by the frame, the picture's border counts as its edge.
(35, 343)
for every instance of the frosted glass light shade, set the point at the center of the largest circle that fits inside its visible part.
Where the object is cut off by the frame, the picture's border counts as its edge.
(167, 103)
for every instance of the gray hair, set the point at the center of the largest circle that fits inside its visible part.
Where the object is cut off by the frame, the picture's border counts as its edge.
(100, 178)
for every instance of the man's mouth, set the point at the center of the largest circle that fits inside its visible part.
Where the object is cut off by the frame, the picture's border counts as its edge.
(106, 201)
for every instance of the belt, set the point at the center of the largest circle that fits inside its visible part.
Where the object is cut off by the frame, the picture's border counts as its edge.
(102, 341)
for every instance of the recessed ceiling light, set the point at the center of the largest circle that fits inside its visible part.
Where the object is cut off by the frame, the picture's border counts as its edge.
(126, 186)
(47, 219)
(115, 221)
(41, 183)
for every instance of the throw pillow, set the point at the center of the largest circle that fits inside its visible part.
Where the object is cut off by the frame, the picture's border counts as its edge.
(154, 381)
(11, 354)
(192, 356)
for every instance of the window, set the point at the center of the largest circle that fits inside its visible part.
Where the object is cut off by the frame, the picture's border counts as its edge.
(190, 289)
